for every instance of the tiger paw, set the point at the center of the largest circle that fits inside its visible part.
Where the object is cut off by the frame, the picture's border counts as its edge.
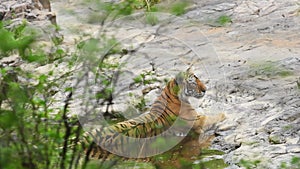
(221, 116)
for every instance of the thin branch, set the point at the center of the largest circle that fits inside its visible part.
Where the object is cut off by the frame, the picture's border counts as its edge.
(74, 150)
(67, 132)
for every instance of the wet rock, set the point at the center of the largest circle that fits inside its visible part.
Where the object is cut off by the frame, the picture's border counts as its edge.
(219, 143)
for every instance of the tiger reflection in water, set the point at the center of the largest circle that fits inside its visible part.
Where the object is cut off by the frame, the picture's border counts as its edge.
(172, 103)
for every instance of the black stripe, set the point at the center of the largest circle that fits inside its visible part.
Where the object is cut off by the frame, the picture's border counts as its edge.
(166, 119)
(122, 125)
(161, 102)
(172, 111)
(149, 119)
(132, 122)
(169, 98)
(162, 95)
(152, 115)
(172, 99)
(158, 108)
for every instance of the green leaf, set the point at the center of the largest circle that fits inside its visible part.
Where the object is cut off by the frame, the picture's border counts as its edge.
(38, 101)
(295, 160)
(68, 89)
(18, 31)
(7, 119)
(24, 43)
(11, 40)
(125, 7)
(7, 40)
(39, 58)
(17, 93)
(43, 79)
(138, 79)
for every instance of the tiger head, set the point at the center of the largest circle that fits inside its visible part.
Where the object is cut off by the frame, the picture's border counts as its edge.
(189, 85)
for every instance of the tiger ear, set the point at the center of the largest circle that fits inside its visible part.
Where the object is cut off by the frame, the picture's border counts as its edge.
(190, 70)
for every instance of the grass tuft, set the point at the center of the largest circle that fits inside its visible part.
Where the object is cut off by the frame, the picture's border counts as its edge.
(179, 8)
(224, 20)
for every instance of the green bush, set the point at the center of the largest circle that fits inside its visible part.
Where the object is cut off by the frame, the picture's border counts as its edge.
(33, 133)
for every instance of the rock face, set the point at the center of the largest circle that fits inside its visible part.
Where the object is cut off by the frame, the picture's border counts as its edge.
(31, 10)
(39, 20)
(264, 120)
(251, 66)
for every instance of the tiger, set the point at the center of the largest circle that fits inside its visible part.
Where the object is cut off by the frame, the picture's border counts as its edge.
(171, 104)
